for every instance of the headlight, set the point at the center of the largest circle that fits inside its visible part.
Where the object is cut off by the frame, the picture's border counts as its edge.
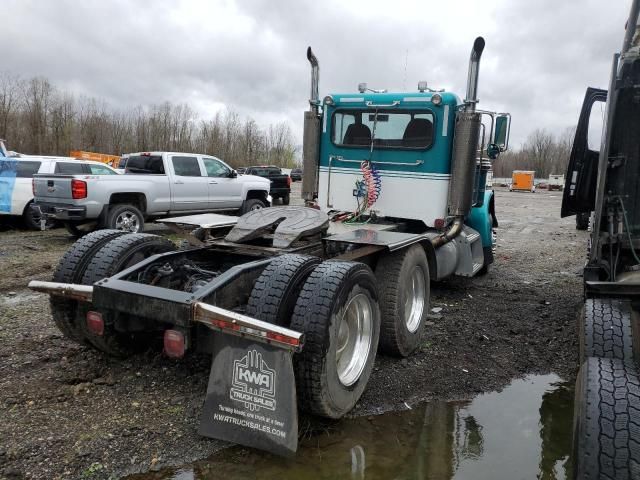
(436, 99)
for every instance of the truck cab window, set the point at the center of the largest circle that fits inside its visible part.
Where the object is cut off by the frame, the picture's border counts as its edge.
(18, 169)
(596, 124)
(215, 168)
(100, 170)
(70, 168)
(145, 164)
(186, 166)
(393, 129)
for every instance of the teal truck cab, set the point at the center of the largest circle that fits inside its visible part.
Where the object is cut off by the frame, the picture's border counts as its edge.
(416, 159)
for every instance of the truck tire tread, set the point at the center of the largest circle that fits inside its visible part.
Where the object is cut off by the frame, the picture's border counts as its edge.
(607, 421)
(274, 294)
(109, 260)
(71, 269)
(606, 329)
(329, 284)
(395, 338)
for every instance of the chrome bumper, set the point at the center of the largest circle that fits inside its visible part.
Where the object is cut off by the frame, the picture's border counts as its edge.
(215, 318)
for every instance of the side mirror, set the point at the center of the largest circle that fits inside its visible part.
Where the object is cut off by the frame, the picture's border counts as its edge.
(233, 174)
(502, 131)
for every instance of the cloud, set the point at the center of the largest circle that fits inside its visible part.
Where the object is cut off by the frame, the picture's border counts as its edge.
(249, 56)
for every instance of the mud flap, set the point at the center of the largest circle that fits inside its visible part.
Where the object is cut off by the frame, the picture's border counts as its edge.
(251, 397)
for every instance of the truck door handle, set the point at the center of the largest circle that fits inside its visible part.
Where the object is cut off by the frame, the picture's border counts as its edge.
(212, 182)
(178, 181)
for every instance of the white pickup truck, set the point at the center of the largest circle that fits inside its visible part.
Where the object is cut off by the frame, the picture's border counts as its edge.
(155, 184)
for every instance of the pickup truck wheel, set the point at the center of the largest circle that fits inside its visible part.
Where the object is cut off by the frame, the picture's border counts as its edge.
(115, 256)
(606, 421)
(251, 204)
(71, 269)
(605, 329)
(286, 199)
(274, 294)
(337, 310)
(32, 219)
(403, 279)
(125, 217)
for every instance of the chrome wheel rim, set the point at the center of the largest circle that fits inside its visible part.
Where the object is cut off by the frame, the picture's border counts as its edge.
(415, 299)
(353, 339)
(127, 221)
(257, 206)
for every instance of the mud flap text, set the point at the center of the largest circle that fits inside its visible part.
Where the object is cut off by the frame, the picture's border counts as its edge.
(251, 397)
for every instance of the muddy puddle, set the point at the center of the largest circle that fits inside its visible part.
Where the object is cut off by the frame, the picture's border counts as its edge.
(522, 432)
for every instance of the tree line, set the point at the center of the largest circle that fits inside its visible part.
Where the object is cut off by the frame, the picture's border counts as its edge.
(38, 118)
(543, 152)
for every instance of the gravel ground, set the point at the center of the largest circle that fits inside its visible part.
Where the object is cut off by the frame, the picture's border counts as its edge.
(70, 412)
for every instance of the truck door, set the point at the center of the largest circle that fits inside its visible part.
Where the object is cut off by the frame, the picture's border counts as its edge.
(189, 184)
(582, 172)
(225, 191)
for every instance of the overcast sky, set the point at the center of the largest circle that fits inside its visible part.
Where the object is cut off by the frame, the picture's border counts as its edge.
(249, 56)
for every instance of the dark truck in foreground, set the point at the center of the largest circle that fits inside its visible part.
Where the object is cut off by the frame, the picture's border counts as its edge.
(606, 181)
(280, 182)
(294, 303)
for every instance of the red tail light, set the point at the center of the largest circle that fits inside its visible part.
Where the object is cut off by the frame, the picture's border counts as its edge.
(95, 323)
(288, 180)
(283, 339)
(439, 223)
(174, 344)
(78, 189)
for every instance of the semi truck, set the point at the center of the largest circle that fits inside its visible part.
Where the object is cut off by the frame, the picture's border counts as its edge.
(294, 302)
(606, 434)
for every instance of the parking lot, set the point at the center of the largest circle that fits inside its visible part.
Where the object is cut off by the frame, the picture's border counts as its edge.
(71, 411)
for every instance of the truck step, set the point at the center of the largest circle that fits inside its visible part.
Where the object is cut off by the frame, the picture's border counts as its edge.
(477, 267)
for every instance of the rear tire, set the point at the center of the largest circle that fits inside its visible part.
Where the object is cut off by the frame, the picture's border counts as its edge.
(403, 280)
(126, 218)
(338, 312)
(251, 204)
(605, 330)
(274, 294)
(115, 256)
(71, 269)
(606, 429)
(286, 199)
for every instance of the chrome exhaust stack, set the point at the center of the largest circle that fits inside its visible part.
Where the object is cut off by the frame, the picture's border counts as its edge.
(311, 135)
(465, 147)
(314, 98)
(472, 78)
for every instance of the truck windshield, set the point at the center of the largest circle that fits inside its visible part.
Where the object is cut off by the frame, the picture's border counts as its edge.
(149, 164)
(394, 129)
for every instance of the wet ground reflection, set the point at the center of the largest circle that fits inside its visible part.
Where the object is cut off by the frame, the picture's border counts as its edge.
(522, 432)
